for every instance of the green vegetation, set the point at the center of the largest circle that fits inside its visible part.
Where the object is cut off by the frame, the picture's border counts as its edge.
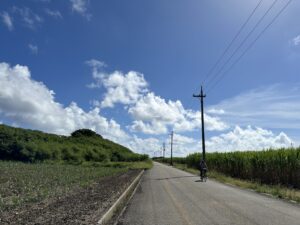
(83, 145)
(275, 167)
(35, 166)
(274, 172)
(22, 183)
(274, 190)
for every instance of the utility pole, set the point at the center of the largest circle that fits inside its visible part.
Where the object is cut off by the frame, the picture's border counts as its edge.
(201, 96)
(172, 133)
(164, 149)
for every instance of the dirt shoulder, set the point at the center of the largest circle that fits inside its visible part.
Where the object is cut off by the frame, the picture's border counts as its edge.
(80, 206)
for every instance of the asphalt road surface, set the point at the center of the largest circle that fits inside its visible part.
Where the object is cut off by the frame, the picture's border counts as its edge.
(168, 196)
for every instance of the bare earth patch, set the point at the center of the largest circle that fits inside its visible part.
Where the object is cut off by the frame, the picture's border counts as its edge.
(80, 206)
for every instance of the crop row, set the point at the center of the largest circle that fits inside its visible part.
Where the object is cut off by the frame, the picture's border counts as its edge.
(280, 166)
(22, 183)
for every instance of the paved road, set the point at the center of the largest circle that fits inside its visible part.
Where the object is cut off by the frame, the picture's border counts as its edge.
(169, 196)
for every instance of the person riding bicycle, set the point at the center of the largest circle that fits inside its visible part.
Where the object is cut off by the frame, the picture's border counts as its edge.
(203, 169)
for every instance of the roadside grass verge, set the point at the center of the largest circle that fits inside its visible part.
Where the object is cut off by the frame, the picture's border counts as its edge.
(25, 183)
(273, 190)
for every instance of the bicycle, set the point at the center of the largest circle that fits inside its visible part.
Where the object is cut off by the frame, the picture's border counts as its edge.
(203, 175)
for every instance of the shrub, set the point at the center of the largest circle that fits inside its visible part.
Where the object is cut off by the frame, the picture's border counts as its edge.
(85, 133)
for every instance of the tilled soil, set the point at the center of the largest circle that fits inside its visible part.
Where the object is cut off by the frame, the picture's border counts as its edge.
(81, 206)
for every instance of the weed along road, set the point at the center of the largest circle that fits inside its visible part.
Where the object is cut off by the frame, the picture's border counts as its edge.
(168, 196)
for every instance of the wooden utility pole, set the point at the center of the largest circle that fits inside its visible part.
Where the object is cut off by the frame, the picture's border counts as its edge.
(164, 149)
(201, 96)
(172, 133)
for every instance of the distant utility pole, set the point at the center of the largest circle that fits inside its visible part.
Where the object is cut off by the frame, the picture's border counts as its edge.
(201, 96)
(172, 133)
(164, 149)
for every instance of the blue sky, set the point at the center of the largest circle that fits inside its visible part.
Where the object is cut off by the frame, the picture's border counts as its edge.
(128, 69)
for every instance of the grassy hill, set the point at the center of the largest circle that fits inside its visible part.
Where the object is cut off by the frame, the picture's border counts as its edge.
(83, 145)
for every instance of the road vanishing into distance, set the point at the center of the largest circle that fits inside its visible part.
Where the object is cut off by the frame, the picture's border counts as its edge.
(168, 196)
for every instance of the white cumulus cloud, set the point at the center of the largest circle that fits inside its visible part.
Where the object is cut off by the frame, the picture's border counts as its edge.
(154, 128)
(237, 139)
(144, 145)
(216, 111)
(248, 139)
(153, 114)
(123, 88)
(193, 121)
(151, 107)
(120, 88)
(29, 103)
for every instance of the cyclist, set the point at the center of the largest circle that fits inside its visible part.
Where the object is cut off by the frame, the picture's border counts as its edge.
(203, 169)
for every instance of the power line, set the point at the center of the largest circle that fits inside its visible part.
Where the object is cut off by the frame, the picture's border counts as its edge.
(232, 41)
(250, 46)
(243, 42)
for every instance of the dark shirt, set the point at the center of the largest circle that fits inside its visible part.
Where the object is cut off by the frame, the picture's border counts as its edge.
(203, 165)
